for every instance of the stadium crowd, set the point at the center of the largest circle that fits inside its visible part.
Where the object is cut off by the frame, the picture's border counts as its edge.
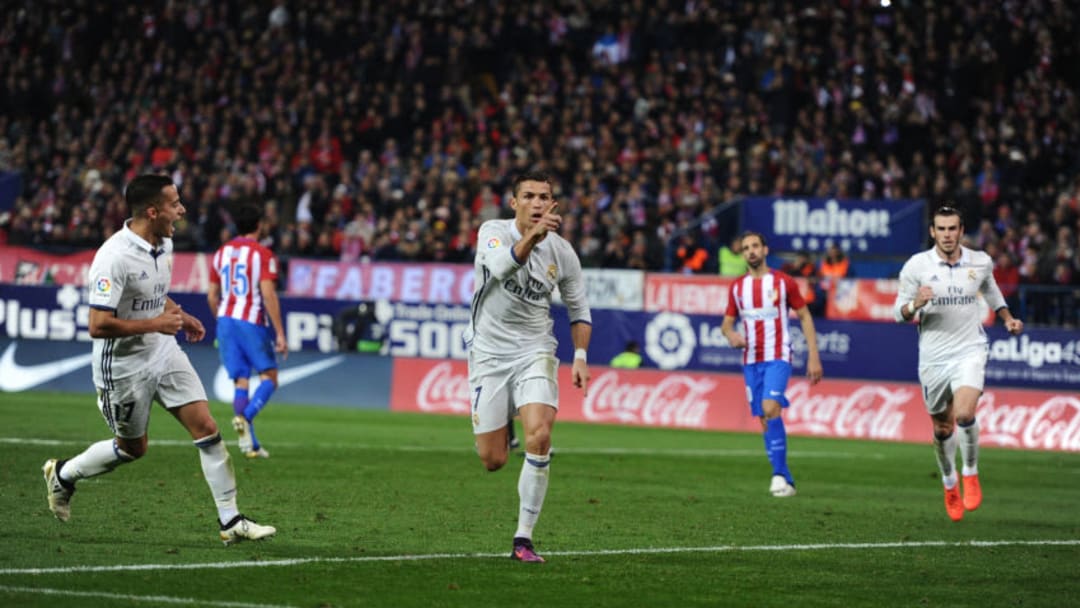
(389, 130)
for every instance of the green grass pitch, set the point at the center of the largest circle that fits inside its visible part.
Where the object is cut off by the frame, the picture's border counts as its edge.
(388, 509)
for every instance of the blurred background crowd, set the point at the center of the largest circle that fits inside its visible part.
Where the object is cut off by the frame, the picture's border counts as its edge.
(390, 130)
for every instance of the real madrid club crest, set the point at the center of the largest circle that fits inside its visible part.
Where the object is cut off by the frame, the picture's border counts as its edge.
(971, 275)
(551, 272)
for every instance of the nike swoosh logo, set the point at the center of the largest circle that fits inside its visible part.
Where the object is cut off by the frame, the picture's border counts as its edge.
(223, 385)
(15, 377)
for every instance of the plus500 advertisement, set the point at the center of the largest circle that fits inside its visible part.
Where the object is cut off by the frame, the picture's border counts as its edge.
(1047, 359)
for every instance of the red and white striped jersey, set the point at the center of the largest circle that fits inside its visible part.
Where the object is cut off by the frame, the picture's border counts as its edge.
(763, 304)
(240, 264)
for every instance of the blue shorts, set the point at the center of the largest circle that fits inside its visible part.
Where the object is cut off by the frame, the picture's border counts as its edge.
(766, 380)
(245, 347)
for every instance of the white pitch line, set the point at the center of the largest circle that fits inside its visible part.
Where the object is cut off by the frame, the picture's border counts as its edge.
(614, 451)
(155, 599)
(594, 553)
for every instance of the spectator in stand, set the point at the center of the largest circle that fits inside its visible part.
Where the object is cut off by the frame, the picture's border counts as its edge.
(731, 261)
(629, 358)
(440, 111)
(690, 256)
(1007, 276)
(835, 265)
(802, 266)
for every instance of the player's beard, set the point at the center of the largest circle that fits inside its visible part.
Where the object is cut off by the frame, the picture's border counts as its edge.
(948, 251)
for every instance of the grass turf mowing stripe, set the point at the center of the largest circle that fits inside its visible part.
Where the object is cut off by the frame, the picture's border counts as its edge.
(155, 599)
(593, 553)
(692, 452)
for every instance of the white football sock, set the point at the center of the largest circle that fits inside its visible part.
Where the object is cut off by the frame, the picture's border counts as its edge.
(532, 487)
(945, 450)
(969, 447)
(218, 471)
(100, 457)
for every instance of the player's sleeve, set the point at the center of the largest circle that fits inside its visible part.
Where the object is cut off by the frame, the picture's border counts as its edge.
(990, 290)
(909, 286)
(495, 252)
(732, 308)
(269, 270)
(215, 265)
(794, 296)
(105, 282)
(572, 288)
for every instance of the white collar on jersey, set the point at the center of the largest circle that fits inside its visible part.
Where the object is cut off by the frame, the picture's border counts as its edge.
(140, 242)
(965, 257)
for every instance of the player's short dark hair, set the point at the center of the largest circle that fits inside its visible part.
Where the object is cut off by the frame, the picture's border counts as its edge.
(247, 218)
(145, 191)
(747, 233)
(948, 211)
(532, 176)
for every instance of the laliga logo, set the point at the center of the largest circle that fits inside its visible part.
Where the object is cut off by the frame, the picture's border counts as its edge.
(669, 340)
(1034, 352)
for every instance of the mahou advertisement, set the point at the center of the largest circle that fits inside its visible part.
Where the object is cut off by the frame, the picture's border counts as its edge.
(890, 411)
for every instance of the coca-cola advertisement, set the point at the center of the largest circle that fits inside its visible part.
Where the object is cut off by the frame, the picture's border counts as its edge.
(887, 411)
(858, 410)
(640, 397)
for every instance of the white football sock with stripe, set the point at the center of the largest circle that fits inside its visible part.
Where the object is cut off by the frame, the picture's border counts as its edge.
(99, 458)
(532, 487)
(218, 471)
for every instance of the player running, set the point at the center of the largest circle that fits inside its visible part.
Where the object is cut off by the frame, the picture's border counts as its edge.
(940, 287)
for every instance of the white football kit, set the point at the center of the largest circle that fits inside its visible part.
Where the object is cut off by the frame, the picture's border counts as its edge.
(511, 345)
(952, 341)
(131, 278)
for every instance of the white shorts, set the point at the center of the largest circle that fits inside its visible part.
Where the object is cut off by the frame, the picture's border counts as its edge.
(498, 387)
(940, 382)
(172, 382)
